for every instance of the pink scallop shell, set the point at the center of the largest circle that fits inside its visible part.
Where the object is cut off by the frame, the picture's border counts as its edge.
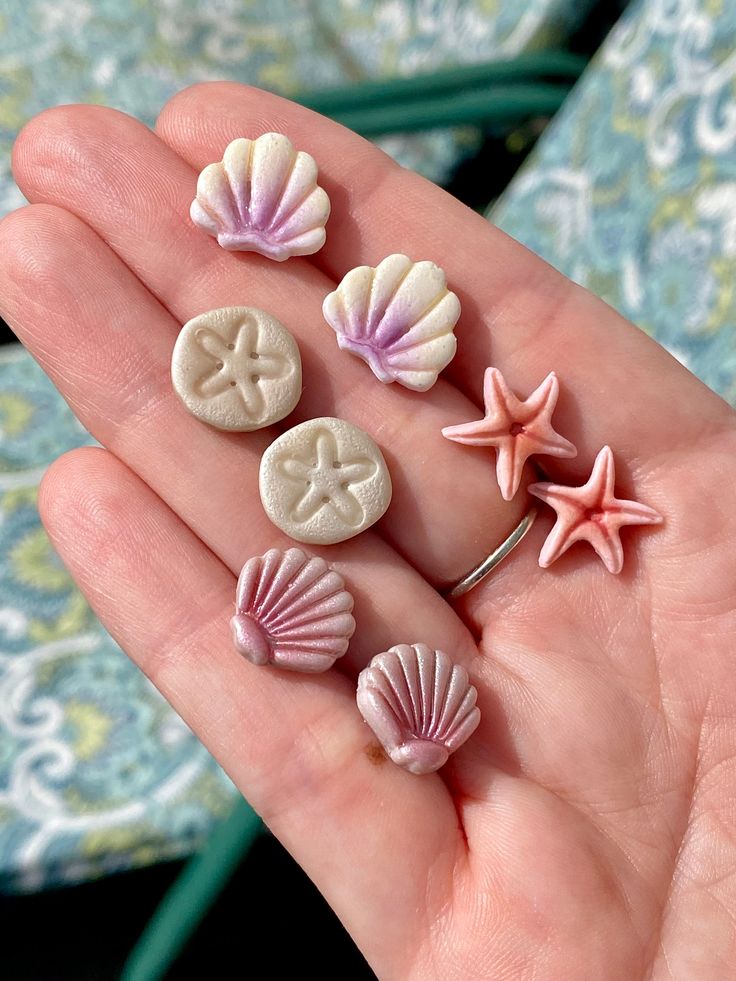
(420, 706)
(292, 611)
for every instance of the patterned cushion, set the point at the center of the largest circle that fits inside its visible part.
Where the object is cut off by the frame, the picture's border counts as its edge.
(632, 189)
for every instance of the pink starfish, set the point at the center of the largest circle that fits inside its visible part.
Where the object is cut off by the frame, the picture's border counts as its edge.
(516, 429)
(591, 513)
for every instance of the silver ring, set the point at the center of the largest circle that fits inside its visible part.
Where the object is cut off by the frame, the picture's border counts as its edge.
(487, 566)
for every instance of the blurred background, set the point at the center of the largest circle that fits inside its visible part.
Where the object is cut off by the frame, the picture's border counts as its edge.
(601, 134)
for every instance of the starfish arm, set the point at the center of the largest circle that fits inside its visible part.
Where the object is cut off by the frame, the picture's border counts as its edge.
(246, 340)
(633, 513)
(347, 507)
(500, 402)
(271, 366)
(308, 504)
(294, 469)
(550, 443)
(542, 402)
(478, 433)
(357, 471)
(512, 454)
(557, 542)
(211, 342)
(326, 448)
(607, 544)
(251, 395)
(556, 495)
(603, 475)
(213, 384)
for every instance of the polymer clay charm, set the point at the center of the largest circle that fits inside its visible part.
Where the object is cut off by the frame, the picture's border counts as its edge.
(420, 706)
(324, 481)
(516, 429)
(237, 368)
(591, 513)
(292, 611)
(399, 318)
(263, 197)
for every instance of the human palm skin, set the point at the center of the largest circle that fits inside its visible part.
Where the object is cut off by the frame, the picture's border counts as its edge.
(588, 829)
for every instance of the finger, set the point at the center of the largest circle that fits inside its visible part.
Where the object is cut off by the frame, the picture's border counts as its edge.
(105, 342)
(518, 313)
(135, 192)
(295, 746)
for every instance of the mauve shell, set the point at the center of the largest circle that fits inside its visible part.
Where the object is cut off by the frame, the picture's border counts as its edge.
(292, 611)
(399, 318)
(263, 197)
(420, 706)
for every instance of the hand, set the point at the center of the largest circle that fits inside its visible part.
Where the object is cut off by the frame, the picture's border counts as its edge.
(587, 830)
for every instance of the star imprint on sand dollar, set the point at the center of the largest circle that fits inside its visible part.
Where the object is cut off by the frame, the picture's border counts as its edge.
(326, 481)
(591, 513)
(228, 361)
(517, 429)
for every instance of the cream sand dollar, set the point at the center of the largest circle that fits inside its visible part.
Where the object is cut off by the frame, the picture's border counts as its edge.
(324, 481)
(237, 368)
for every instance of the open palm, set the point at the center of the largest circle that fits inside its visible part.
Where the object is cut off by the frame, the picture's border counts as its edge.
(588, 829)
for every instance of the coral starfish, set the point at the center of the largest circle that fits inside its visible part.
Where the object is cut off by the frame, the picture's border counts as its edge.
(516, 429)
(326, 480)
(591, 513)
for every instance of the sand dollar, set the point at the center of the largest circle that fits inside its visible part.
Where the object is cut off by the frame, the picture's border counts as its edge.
(324, 481)
(237, 368)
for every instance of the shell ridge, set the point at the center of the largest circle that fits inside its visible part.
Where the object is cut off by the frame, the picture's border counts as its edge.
(465, 709)
(407, 342)
(407, 660)
(247, 581)
(447, 676)
(311, 585)
(380, 716)
(392, 697)
(282, 221)
(317, 644)
(464, 730)
(441, 678)
(288, 564)
(294, 586)
(279, 195)
(268, 561)
(427, 688)
(376, 321)
(455, 695)
(330, 605)
(355, 315)
(325, 611)
(398, 683)
(240, 190)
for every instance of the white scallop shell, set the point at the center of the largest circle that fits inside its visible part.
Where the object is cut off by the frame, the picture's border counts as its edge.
(292, 611)
(399, 318)
(263, 197)
(420, 706)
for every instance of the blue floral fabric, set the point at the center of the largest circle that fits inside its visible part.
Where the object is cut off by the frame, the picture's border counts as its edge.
(97, 774)
(135, 55)
(632, 188)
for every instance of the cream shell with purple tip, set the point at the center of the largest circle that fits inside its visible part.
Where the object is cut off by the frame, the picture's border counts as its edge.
(399, 317)
(292, 611)
(419, 704)
(263, 197)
